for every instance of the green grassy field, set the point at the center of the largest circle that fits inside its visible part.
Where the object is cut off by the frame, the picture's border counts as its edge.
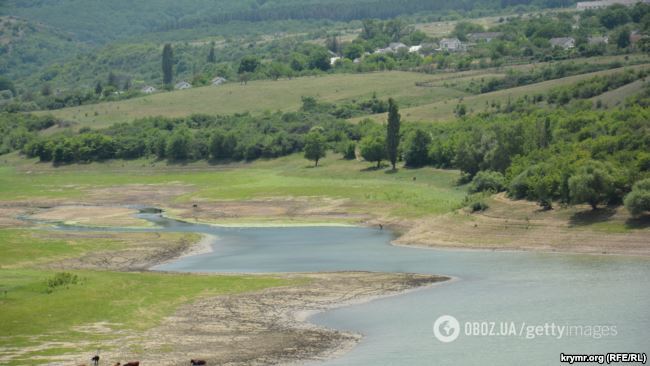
(443, 110)
(434, 191)
(431, 103)
(36, 315)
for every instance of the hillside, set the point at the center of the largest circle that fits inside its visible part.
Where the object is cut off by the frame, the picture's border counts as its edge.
(434, 102)
(29, 47)
(104, 21)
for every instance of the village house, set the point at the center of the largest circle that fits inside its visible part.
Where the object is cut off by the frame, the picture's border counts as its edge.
(563, 42)
(392, 48)
(451, 45)
(635, 36)
(182, 85)
(483, 36)
(414, 49)
(595, 40)
(334, 59)
(587, 5)
(218, 81)
(148, 89)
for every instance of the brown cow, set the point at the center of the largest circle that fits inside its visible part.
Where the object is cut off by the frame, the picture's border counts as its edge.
(132, 363)
(197, 362)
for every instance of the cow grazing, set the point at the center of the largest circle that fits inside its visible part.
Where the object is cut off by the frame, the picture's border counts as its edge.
(197, 362)
(132, 363)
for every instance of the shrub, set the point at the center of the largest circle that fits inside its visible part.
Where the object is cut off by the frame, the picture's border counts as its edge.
(475, 202)
(350, 152)
(487, 181)
(61, 279)
(638, 201)
(592, 184)
(417, 144)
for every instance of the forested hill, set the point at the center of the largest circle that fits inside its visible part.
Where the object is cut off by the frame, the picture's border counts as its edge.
(102, 21)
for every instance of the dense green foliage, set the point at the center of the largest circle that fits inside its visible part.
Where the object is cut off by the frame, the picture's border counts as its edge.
(39, 59)
(638, 201)
(238, 137)
(123, 18)
(315, 146)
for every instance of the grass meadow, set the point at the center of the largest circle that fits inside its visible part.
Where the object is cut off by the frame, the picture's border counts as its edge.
(435, 102)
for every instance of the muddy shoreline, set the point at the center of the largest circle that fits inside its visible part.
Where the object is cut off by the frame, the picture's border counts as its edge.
(268, 327)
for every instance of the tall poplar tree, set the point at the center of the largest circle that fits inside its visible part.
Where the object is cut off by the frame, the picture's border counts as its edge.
(392, 132)
(168, 65)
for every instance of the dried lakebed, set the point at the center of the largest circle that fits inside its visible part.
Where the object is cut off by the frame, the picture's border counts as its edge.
(523, 288)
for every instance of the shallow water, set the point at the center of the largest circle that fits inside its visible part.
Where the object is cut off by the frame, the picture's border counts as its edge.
(565, 289)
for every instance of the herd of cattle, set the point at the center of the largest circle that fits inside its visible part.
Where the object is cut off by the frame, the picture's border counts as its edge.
(95, 362)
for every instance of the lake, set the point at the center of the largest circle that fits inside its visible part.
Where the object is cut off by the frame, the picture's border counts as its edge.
(491, 289)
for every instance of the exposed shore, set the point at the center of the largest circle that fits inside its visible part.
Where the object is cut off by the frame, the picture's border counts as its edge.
(221, 329)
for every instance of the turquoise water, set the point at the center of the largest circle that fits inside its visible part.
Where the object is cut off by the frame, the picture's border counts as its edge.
(534, 288)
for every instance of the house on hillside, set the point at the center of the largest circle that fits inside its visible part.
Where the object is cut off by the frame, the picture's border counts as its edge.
(451, 45)
(596, 40)
(414, 49)
(333, 60)
(635, 36)
(148, 89)
(396, 46)
(587, 5)
(563, 42)
(392, 48)
(218, 81)
(483, 36)
(182, 85)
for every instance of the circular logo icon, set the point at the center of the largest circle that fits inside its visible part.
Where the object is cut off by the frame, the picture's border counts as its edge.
(446, 328)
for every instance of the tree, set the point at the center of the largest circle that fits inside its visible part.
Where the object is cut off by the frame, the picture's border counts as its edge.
(6, 84)
(168, 65)
(623, 38)
(333, 44)
(222, 146)
(592, 184)
(638, 201)
(319, 59)
(113, 81)
(487, 181)
(178, 145)
(248, 64)
(353, 51)
(373, 148)
(392, 132)
(212, 58)
(315, 147)
(350, 152)
(417, 144)
(98, 88)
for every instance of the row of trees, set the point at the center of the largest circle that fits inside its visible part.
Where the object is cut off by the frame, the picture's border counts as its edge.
(374, 147)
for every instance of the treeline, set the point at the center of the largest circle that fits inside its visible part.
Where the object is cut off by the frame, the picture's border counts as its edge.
(594, 86)
(567, 155)
(19, 129)
(516, 78)
(199, 137)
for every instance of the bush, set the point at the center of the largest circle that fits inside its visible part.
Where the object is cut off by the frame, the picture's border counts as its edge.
(475, 202)
(487, 181)
(61, 279)
(350, 152)
(593, 184)
(373, 148)
(417, 144)
(638, 201)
